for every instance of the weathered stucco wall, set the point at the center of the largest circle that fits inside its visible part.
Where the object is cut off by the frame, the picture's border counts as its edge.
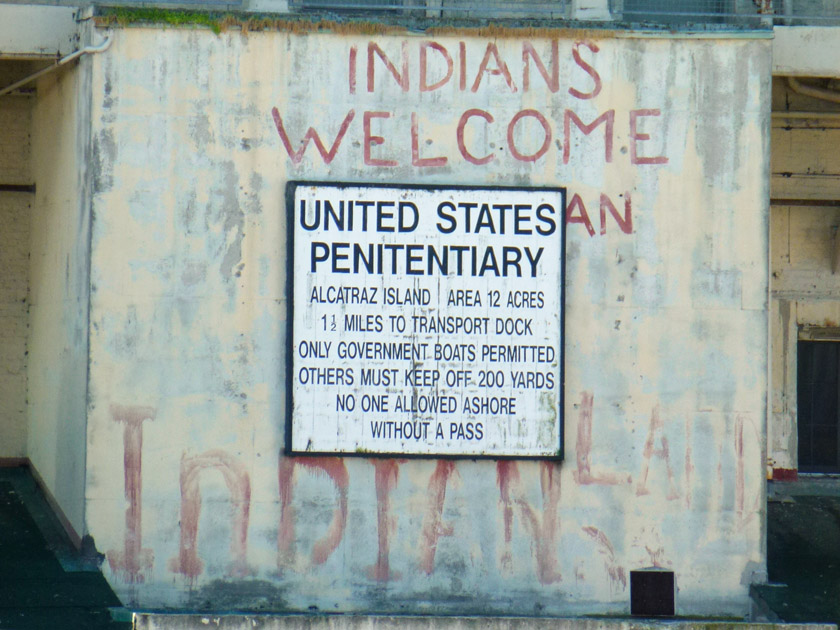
(16, 123)
(59, 282)
(195, 136)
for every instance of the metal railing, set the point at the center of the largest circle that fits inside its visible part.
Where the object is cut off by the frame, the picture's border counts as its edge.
(670, 13)
(779, 12)
(630, 13)
(534, 9)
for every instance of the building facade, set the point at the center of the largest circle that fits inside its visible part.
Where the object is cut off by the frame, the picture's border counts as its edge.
(154, 370)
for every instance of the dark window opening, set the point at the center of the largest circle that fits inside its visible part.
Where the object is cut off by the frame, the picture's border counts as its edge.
(818, 391)
(652, 593)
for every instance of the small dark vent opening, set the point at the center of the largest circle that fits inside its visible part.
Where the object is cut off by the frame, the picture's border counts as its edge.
(652, 593)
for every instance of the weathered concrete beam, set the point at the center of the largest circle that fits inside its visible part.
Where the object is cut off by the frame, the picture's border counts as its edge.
(806, 51)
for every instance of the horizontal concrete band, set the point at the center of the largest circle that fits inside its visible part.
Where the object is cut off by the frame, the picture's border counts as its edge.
(154, 621)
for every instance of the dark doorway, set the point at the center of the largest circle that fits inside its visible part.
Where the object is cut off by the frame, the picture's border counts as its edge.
(818, 388)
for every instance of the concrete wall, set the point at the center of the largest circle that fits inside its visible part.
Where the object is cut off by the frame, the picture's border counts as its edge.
(16, 122)
(195, 136)
(805, 280)
(58, 349)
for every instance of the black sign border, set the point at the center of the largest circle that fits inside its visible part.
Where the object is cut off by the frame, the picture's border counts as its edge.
(291, 187)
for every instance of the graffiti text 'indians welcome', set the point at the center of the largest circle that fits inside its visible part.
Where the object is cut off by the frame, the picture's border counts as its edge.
(390, 139)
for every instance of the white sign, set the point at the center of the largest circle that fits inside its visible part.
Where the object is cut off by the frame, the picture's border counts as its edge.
(426, 321)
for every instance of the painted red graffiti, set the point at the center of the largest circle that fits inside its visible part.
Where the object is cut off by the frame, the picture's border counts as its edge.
(607, 119)
(386, 132)
(386, 474)
(739, 467)
(132, 561)
(657, 556)
(689, 464)
(335, 469)
(576, 213)
(596, 78)
(371, 140)
(511, 136)
(401, 76)
(615, 572)
(583, 448)
(586, 475)
(541, 524)
(637, 136)
(657, 427)
(492, 63)
(328, 155)
(433, 525)
(416, 160)
(542, 527)
(499, 68)
(649, 539)
(425, 86)
(459, 134)
(239, 485)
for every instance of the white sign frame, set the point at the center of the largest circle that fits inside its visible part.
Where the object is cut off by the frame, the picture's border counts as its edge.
(404, 321)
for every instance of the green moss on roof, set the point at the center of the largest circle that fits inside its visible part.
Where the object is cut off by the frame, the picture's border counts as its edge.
(219, 22)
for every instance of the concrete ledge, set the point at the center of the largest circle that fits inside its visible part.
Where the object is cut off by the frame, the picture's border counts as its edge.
(156, 621)
(33, 31)
(806, 51)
